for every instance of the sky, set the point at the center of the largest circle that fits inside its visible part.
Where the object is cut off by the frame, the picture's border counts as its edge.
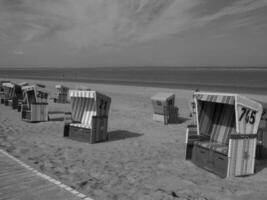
(91, 33)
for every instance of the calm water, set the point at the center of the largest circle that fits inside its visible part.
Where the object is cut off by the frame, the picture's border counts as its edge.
(222, 79)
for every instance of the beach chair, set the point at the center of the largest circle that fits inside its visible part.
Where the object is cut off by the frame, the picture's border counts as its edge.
(89, 116)
(20, 96)
(9, 93)
(261, 152)
(224, 138)
(35, 103)
(62, 95)
(3, 91)
(164, 108)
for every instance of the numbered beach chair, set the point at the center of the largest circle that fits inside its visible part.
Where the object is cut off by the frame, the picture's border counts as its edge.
(62, 95)
(224, 138)
(164, 108)
(89, 116)
(35, 104)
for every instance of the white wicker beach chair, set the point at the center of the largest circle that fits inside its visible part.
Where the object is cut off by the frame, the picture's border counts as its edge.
(35, 104)
(89, 117)
(62, 95)
(164, 108)
(224, 138)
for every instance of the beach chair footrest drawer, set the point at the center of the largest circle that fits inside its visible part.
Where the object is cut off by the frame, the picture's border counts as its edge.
(210, 160)
(79, 133)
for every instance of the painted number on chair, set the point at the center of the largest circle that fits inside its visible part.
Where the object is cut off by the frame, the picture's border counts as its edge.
(41, 95)
(248, 115)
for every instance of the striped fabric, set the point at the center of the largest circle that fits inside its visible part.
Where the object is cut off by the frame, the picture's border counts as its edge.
(83, 110)
(82, 93)
(206, 111)
(216, 120)
(216, 98)
(223, 123)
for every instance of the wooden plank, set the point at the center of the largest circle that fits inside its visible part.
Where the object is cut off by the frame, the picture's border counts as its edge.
(19, 181)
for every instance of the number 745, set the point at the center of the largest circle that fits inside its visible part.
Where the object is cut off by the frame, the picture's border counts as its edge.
(248, 115)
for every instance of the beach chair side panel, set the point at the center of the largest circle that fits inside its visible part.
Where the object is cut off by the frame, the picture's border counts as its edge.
(99, 129)
(39, 112)
(242, 155)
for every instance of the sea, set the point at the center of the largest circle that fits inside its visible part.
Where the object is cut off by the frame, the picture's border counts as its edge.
(224, 79)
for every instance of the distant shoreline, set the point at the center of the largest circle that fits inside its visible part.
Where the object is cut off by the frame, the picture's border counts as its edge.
(215, 68)
(220, 88)
(237, 80)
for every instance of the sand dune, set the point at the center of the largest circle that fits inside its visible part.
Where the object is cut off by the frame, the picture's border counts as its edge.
(143, 160)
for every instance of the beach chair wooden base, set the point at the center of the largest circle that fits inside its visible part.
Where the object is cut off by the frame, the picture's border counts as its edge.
(37, 113)
(98, 133)
(159, 118)
(239, 162)
(170, 115)
(210, 160)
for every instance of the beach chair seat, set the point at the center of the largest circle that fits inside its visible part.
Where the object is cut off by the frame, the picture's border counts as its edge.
(88, 126)
(214, 146)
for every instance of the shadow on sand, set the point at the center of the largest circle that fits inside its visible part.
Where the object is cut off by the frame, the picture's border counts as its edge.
(122, 134)
(179, 120)
(260, 165)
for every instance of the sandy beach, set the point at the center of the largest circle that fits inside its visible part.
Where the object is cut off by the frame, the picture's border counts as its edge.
(143, 160)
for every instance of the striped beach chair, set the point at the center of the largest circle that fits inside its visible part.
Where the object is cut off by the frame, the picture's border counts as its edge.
(164, 108)
(11, 93)
(89, 116)
(20, 96)
(62, 95)
(3, 91)
(224, 139)
(35, 103)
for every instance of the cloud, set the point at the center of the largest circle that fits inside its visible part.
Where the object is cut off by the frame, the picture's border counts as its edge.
(18, 52)
(237, 8)
(102, 23)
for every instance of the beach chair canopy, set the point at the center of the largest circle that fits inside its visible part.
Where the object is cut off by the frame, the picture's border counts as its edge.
(161, 100)
(22, 84)
(12, 90)
(219, 115)
(35, 94)
(8, 84)
(86, 104)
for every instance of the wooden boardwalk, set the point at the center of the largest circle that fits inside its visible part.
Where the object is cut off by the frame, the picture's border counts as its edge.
(18, 181)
